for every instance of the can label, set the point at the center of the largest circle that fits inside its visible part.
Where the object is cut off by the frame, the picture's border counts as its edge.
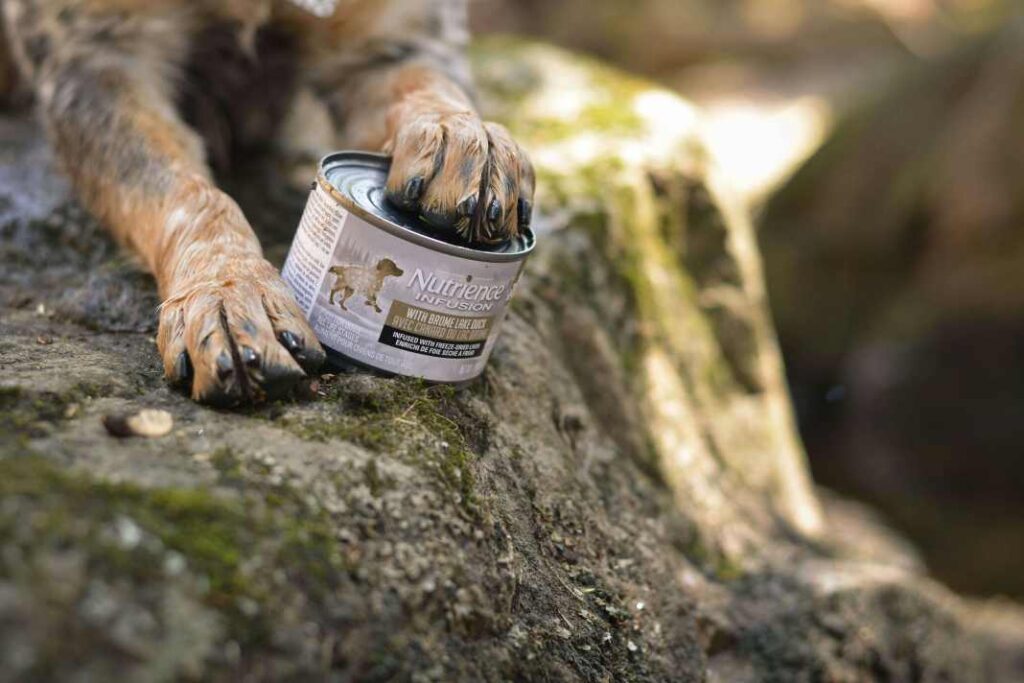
(391, 303)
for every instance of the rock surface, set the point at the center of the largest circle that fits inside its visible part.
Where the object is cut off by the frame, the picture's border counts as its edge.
(620, 497)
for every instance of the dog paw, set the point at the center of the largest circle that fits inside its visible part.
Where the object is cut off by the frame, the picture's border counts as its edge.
(461, 174)
(236, 337)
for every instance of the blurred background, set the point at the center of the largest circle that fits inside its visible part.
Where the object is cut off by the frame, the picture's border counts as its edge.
(880, 145)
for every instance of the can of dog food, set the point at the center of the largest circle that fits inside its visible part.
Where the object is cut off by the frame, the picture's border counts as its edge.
(381, 289)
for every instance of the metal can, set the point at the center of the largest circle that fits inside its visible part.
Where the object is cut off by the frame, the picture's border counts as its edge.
(382, 289)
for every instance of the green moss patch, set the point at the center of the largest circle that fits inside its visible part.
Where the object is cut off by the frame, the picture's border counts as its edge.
(423, 425)
(607, 94)
(249, 554)
(25, 416)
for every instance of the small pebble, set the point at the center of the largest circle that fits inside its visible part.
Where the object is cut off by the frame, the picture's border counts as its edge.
(174, 563)
(128, 532)
(148, 423)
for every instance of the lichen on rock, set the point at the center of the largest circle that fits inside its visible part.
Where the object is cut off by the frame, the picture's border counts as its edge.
(702, 362)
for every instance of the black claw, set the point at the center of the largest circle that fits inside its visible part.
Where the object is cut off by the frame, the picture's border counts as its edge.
(291, 341)
(279, 381)
(310, 358)
(225, 366)
(183, 368)
(414, 189)
(494, 211)
(249, 357)
(525, 213)
(468, 206)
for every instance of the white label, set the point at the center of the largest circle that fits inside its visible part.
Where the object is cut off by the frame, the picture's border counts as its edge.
(393, 304)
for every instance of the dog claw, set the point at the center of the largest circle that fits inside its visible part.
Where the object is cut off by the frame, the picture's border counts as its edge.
(414, 190)
(183, 369)
(249, 357)
(279, 381)
(309, 358)
(525, 213)
(468, 206)
(290, 341)
(225, 366)
(494, 211)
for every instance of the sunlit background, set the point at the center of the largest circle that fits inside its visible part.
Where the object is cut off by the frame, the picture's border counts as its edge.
(894, 257)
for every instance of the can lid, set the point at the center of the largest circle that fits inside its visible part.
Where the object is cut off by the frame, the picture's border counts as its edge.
(358, 180)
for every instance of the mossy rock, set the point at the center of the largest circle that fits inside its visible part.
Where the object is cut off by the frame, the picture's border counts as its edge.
(619, 497)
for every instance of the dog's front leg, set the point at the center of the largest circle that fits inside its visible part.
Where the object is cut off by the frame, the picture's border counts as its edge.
(403, 87)
(226, 311)
(228, 323)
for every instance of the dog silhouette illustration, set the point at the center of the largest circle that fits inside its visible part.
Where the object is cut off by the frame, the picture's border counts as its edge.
(365, 281)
